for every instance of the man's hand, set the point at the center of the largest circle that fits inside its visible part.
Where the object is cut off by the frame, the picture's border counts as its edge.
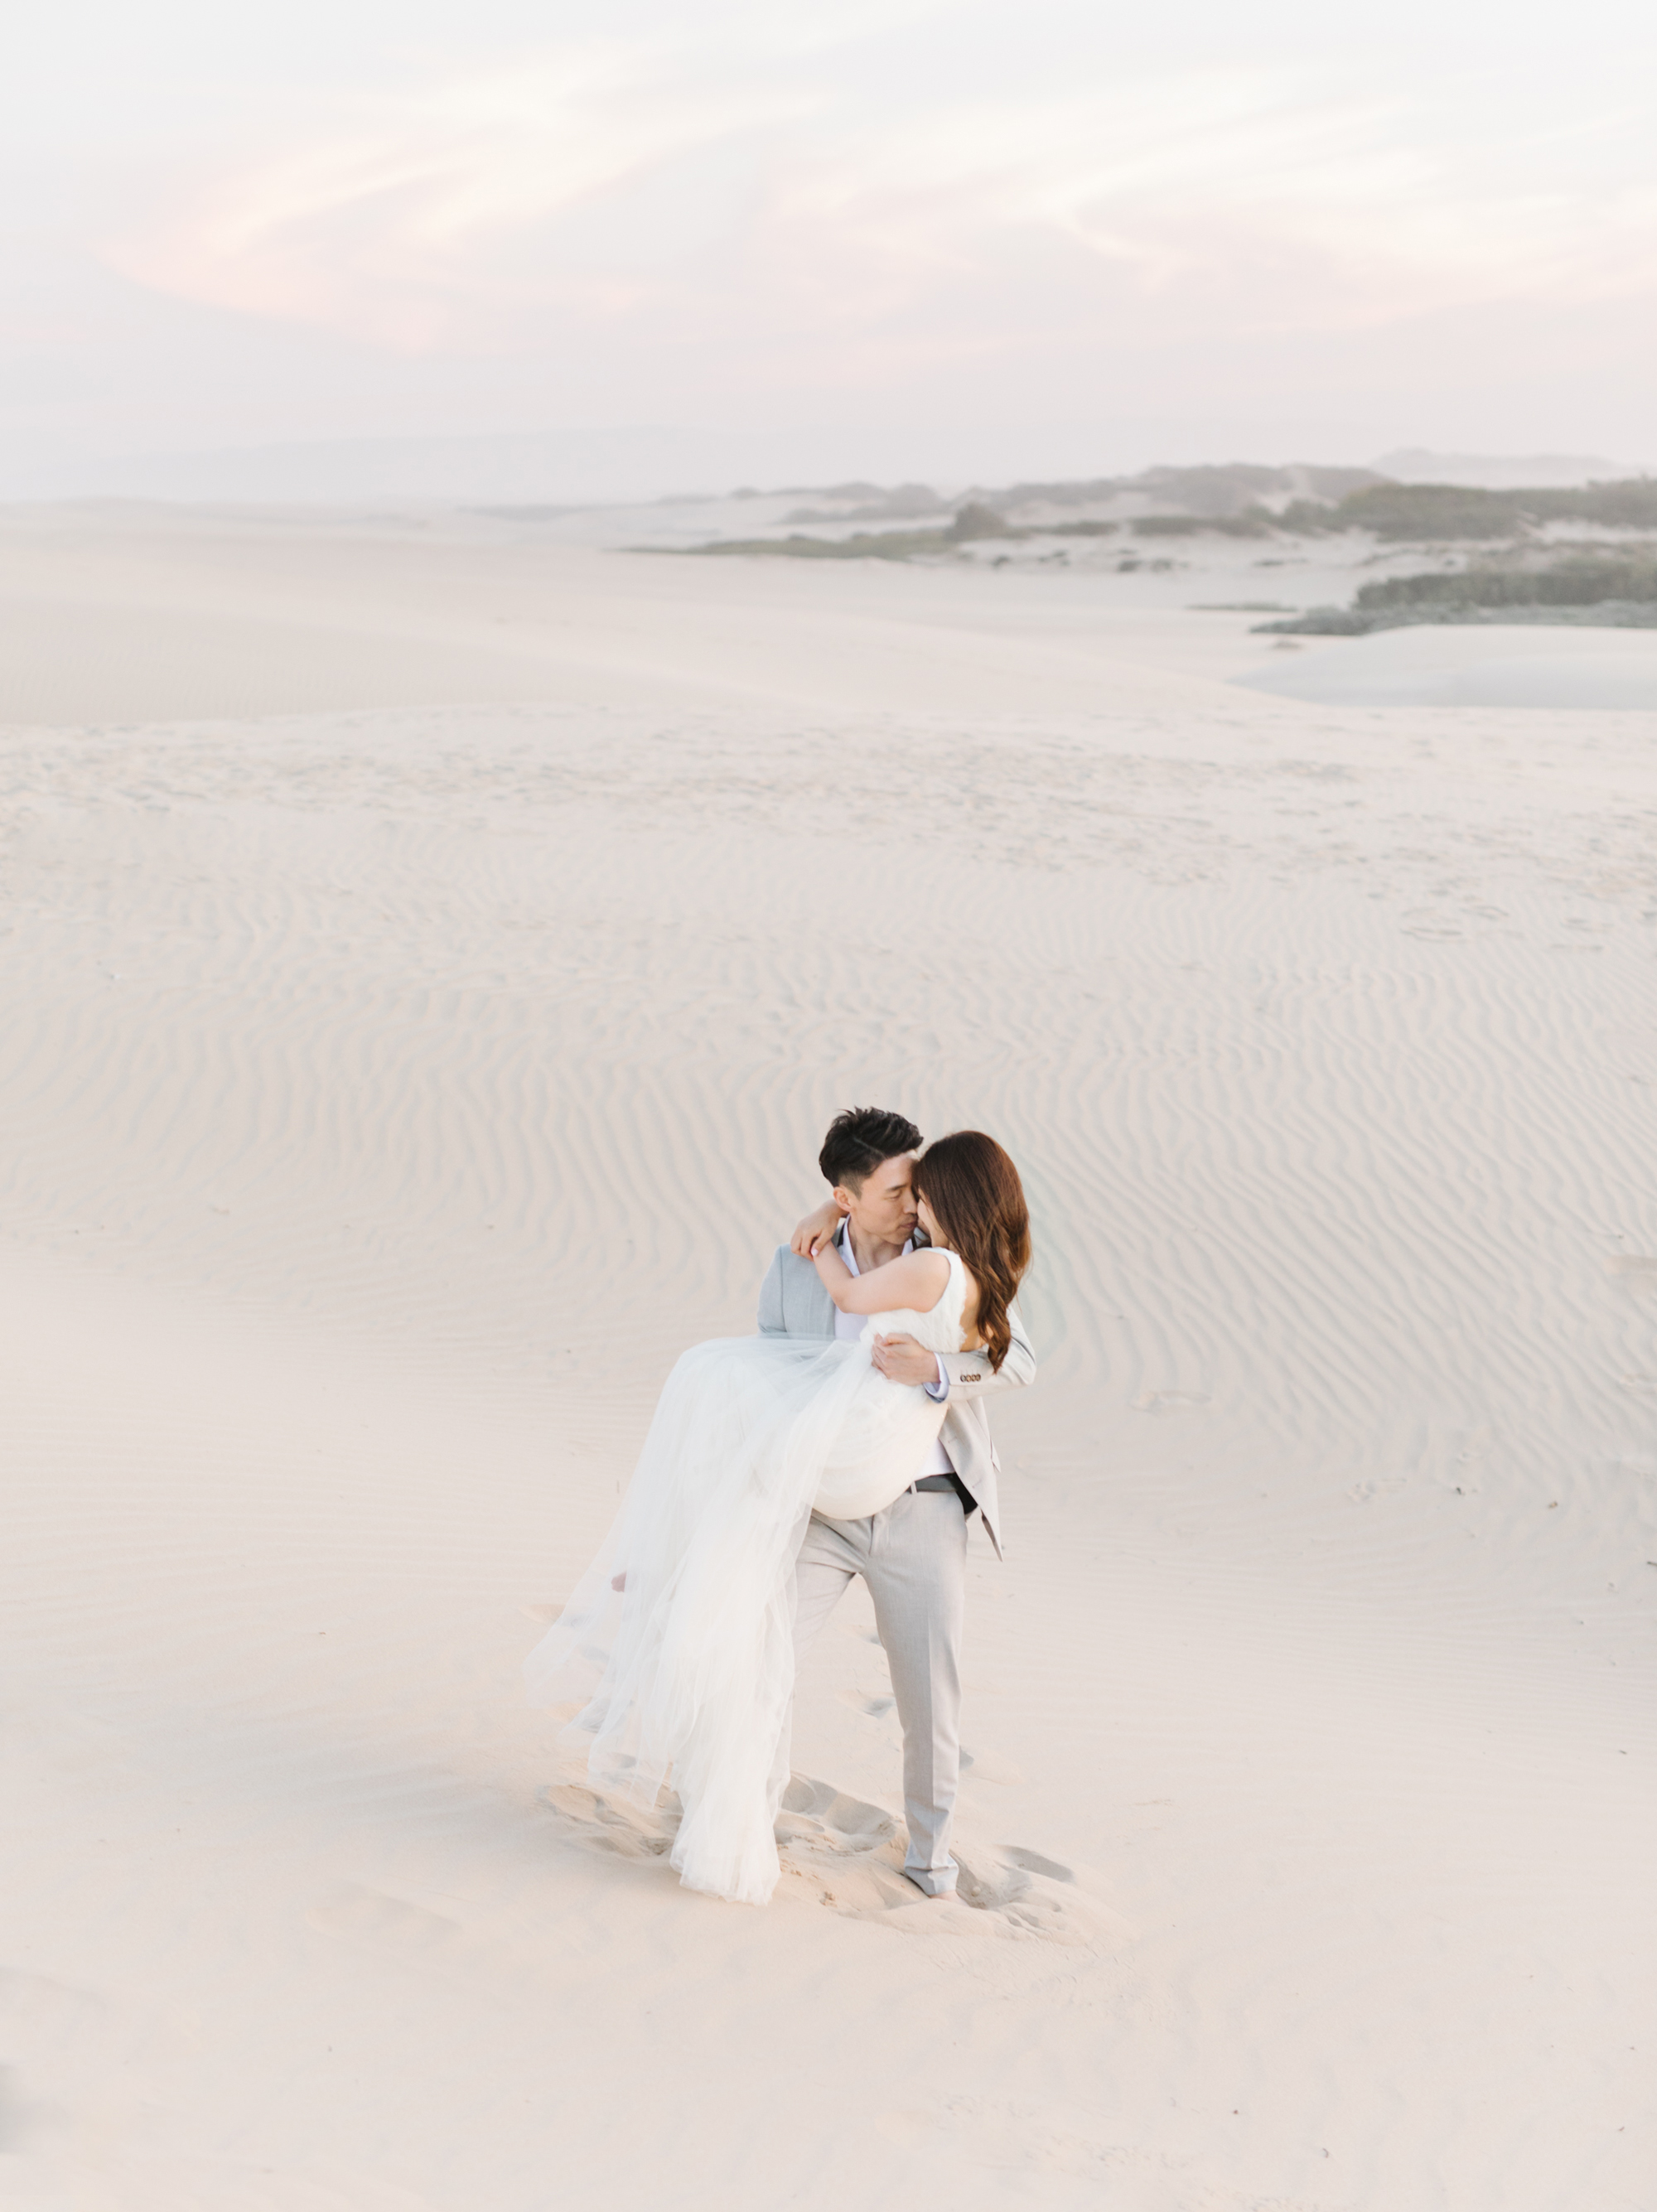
(816, 1230)
(901, 1359)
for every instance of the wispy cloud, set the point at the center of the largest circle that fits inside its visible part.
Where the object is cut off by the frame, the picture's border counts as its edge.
(389, 222)
(781, 207)
(464, 210)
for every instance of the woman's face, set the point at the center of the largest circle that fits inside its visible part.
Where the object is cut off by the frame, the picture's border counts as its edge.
(929, 1221)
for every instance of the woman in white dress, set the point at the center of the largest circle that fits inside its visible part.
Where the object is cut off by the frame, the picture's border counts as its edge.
(678, 1641)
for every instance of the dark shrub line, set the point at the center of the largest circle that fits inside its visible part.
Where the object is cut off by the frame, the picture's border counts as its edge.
(1452, 511)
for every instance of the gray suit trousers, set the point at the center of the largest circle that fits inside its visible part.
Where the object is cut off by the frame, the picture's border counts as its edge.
(914, 1558)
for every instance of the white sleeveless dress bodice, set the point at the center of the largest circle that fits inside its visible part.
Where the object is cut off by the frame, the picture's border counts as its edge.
(690, 1670)
(939, 1330)
(858, 1482)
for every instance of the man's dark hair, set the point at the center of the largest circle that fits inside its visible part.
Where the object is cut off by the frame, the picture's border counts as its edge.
(859, 1140)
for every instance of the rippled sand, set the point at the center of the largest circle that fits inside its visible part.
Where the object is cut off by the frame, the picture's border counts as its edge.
(428, 968)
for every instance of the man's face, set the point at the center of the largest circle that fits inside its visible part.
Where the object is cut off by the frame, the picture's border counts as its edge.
(885, 1209)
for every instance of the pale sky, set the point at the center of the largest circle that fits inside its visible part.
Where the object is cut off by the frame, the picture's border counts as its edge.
(977, 239)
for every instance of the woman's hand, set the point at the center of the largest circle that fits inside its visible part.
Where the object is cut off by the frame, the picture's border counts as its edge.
(816, 1230)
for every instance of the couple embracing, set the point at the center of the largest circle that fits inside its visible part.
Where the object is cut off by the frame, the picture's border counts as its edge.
(849, 1437)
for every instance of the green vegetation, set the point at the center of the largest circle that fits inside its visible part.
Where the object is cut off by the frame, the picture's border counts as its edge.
(1218, 501)
(1254, 522)
(1348, 621)
(977, 520)
(1609, 590)
(1230, 488)
(1583, 581)
(1443, 513)
(866, 545)
(973, 521)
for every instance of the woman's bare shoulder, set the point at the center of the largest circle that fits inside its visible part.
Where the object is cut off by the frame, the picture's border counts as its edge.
(926, 1277)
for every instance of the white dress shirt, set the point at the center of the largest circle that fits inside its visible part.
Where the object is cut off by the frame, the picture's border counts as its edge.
(851, 1326)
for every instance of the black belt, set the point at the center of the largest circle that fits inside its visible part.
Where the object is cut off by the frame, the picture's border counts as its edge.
(968, 1503)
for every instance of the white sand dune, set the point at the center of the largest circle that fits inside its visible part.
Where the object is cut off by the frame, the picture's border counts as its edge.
(1500, 665)
(411, 1037)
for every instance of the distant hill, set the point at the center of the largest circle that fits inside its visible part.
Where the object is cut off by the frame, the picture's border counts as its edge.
(1211, 490)
(1500, 472)
(1190, 503)
(1428, 512)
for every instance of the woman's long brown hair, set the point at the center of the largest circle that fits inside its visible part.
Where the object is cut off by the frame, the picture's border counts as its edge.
(973, 1188)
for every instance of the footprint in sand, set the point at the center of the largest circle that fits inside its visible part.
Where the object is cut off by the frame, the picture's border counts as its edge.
(817, 1808)
(1011, 1882)
(622, 1831)
(1033, 1863)
(841, 1852)
(875, 1706)
(851, 1854)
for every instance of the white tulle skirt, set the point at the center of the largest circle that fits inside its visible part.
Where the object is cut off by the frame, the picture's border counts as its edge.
(688, 1672)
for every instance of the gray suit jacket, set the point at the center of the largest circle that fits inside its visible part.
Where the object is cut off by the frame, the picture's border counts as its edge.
(793, 1302)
